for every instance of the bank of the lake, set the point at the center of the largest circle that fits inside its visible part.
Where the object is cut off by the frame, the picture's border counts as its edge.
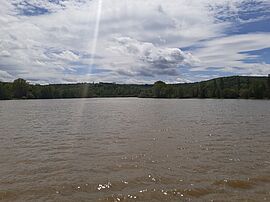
(225, 87)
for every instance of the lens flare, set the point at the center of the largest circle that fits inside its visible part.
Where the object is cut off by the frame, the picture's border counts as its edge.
(93, 53)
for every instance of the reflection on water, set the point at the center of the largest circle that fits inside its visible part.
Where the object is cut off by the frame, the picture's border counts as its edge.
(134, 150)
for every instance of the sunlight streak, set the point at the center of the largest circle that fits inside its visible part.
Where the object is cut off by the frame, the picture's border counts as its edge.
(96, 33)
(92, 59)
(94, 45)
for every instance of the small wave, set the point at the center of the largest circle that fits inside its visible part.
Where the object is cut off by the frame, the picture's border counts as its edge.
(239, 184)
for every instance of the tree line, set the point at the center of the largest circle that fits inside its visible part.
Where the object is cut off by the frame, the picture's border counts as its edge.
(234, 87)
(21, 89)
(224, 87)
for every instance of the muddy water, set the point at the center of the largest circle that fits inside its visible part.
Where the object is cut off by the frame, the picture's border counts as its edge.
(135, 150)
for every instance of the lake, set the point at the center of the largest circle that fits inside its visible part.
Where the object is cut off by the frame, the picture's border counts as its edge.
(130, 149)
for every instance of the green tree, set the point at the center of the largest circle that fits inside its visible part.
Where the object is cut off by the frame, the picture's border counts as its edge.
(194, 92)
(202, 90)
(5, 91)
(238, 85)
(248, 83)
(20, 88)
(47, 92)
(268, 85)
(258, 89)
(244, 93)
(214, 90)
(230, 93)
(159, 89)
(221, 88)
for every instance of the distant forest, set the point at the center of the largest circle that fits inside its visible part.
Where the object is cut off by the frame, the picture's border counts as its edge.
(226, 87)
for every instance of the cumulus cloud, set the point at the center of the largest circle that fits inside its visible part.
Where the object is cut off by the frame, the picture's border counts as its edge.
(4, 53)
(148, 59)
(4, 76)
(67, 56)
(136, 41)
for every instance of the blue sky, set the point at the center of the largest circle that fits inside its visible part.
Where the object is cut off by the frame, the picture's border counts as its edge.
(126, 41)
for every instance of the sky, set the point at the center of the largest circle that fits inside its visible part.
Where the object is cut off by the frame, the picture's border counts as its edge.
(133, 41)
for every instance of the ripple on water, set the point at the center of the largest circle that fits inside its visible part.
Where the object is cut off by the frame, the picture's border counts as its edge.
(261, 179)
(122, 167)
(237, 184)
(159, 194)
(243, 184)
(8, 195)
(134, 150)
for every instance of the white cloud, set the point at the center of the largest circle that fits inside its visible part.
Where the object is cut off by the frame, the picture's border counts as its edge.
(52, 47)
(4, 53)
(4, 76)
(226, 54)
(67, 56)
(146, 59)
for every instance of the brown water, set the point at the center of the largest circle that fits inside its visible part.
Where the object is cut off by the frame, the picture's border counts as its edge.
(135, 150)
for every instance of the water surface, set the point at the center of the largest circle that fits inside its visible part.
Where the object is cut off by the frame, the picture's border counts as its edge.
(128, 149)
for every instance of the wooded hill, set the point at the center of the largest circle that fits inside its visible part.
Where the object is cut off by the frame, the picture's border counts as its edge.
(224, 87)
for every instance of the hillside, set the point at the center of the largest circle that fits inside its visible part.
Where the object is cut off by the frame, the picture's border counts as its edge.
(225, 87)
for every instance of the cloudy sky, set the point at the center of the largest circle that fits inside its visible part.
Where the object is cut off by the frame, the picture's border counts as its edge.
(133, 41)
